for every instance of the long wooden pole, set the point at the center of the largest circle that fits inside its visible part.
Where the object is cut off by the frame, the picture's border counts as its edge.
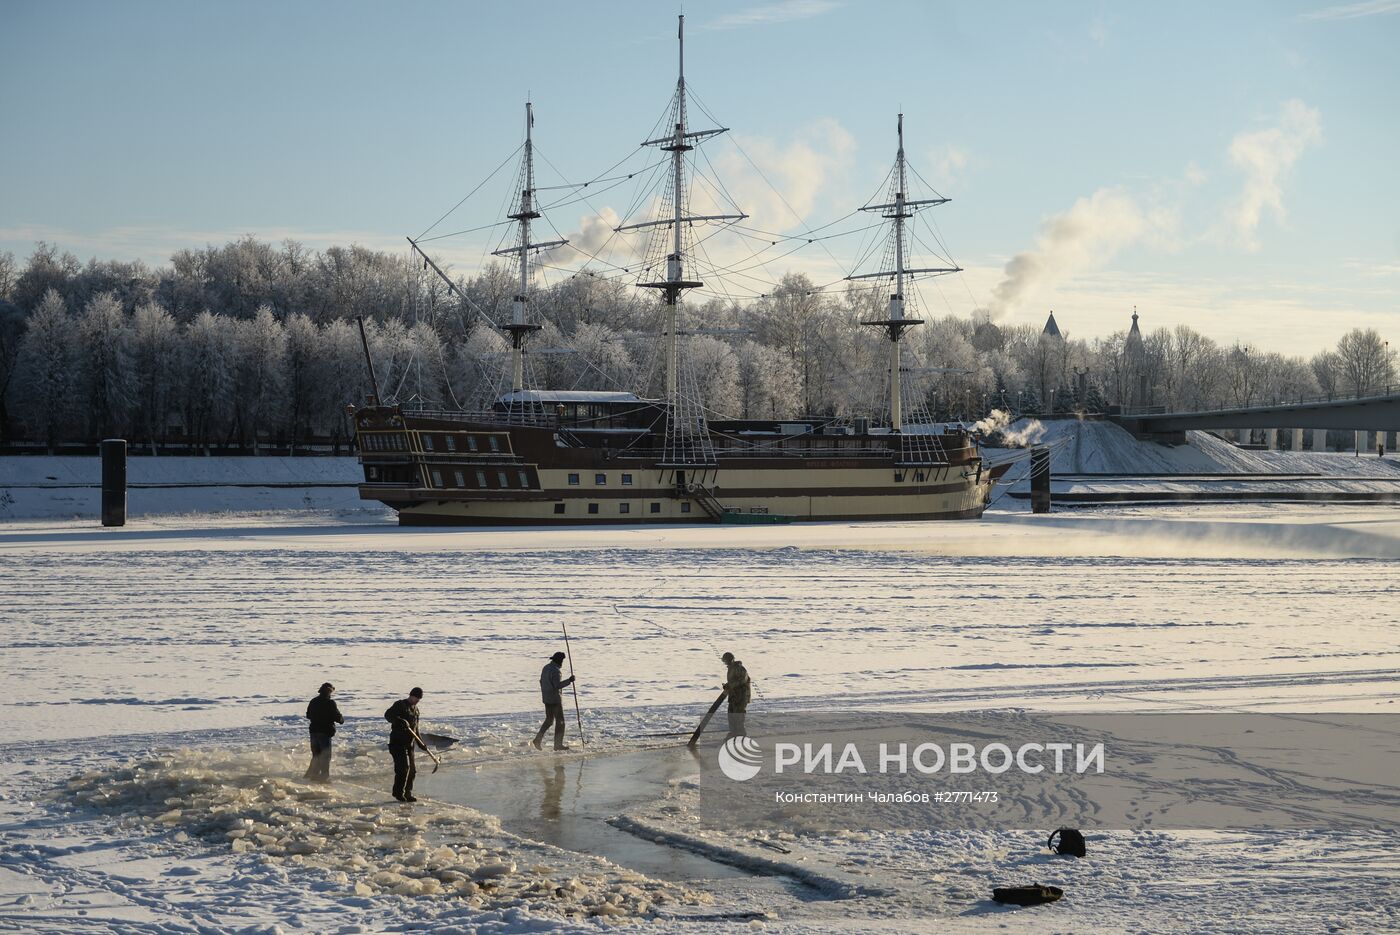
(705, 722)
(578, 718)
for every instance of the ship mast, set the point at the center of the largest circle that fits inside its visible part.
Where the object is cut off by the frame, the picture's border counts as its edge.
(519, 327)
(689, 428)
(899, 209)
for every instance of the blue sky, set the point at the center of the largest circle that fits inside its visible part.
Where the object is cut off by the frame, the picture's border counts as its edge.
(1230, 166)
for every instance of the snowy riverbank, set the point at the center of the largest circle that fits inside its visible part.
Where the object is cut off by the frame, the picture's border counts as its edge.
(69, 487)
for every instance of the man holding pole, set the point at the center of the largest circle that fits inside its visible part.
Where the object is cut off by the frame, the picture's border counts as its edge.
(551, 681)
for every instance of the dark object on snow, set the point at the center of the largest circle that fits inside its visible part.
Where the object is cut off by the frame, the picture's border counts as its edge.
(1070, 842)
(113, 481)
(1026, 895)
(441, 741)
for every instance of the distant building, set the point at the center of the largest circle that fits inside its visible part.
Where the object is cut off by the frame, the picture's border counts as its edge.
(1135, 385)
(1051, 329)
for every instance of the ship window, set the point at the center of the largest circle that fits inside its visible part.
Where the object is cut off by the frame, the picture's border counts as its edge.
(624, 508)
(373, 473)
(559, 508)
(918, 475)
(600, 479)
(461, 481)
(899, 477)
(451, 442)
(573, 480)
(685, 506)
(427, 442)
(437, 478)
(481, 479)
(494, 442)
(592, 508)
(656, 508)
(524, 481)
(627, 480)
(471, 443)
(502, 479)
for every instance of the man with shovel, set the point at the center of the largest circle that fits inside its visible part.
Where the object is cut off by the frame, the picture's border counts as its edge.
(403, 736)
(551, 681)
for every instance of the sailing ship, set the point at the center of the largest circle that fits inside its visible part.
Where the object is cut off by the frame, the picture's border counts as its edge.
(555, 457)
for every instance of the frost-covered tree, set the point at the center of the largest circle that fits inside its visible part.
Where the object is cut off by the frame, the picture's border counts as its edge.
(46, 371)
(1367, 363)
(769, 386)
(345, 382)
(12, 324)
(155, 346)
(261, 365)
(104, 366)
(304, 377)
(208, 363)
(715, 371)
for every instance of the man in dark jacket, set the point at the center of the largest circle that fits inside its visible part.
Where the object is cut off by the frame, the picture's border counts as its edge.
(739, 689)
(551, 680)
(323, 715)
(403, 737)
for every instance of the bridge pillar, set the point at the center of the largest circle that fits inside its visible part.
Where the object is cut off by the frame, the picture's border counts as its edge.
(1390, 439)
(1244, 436)
(1297, 441)
(1319, 439)
(1360, 443)
(1271, 437)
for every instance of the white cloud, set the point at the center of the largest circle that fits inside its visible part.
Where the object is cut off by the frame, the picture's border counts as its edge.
(800, 169)
(1355, 10)
(1266, 157)
(784, 11)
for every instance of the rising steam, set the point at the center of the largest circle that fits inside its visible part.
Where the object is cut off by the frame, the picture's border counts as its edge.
(999, 422)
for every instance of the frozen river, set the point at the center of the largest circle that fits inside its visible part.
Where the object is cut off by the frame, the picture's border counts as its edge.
(220, 629)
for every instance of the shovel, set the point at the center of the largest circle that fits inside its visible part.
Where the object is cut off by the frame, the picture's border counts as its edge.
(426, 749)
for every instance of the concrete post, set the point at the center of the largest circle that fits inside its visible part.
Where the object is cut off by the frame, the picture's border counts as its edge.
(1040, 480)
(1271, 437)
(1297, 442)
(1319, 439)
(114, 482)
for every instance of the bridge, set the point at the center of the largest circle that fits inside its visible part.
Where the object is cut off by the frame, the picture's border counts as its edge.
(1379, 413)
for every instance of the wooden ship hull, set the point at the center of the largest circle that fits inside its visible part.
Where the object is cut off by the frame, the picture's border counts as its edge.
(461, 469)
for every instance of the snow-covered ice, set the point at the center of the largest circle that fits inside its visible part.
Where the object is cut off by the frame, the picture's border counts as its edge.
(156, 675)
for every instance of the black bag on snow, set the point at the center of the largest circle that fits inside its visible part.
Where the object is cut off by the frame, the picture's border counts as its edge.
(1070, 842)
(1026, 895)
